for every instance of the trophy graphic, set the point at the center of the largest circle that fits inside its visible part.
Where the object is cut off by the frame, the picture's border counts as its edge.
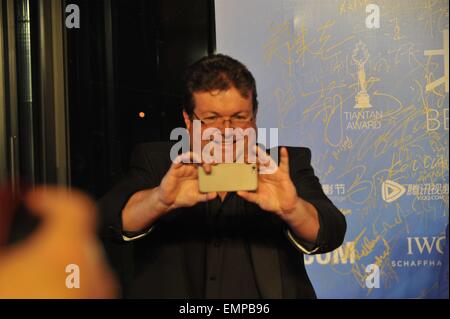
(360, 56)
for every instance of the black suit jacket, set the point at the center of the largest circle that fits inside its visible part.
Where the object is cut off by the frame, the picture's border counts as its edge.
(278, 264)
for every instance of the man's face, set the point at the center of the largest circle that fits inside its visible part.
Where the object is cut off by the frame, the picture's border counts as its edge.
(227, 105)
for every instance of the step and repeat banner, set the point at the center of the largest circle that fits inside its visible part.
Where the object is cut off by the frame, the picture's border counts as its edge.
(364, 84)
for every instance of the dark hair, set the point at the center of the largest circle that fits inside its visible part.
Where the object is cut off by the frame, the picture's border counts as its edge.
(217, 72)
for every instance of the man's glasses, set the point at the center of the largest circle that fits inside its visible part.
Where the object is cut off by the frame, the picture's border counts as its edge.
(218, 121)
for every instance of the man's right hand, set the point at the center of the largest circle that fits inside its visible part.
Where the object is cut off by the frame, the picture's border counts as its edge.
(178, 188)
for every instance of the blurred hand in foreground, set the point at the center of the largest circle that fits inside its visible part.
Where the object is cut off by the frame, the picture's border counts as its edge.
(38, 267)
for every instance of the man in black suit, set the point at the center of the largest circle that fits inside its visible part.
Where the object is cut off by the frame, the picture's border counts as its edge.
(180, 243)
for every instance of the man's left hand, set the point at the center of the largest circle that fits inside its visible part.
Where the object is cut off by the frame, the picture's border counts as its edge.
(276, 193)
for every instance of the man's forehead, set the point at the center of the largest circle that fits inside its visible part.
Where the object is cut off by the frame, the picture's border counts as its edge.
(222, 101)
(215, 92)
(231, 94)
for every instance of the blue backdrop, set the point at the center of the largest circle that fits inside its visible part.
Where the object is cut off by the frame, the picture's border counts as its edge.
(365, 86)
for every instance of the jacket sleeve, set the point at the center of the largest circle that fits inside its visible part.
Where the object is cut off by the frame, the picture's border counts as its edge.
(331, 221)
(141, 175)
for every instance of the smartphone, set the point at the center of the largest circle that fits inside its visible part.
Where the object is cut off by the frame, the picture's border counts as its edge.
(228, 177)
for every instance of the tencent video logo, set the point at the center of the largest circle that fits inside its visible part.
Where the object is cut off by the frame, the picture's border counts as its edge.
(391, 191)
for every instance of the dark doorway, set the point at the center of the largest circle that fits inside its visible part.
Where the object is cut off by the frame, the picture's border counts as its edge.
(125, 66)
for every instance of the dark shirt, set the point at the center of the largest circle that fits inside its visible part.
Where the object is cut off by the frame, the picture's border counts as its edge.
(229, 272)
(229, 249)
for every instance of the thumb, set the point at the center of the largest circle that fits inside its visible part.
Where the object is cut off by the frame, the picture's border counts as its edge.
(68, 208)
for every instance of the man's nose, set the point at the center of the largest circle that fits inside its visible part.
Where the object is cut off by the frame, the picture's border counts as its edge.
(226, 130)
(226, 123)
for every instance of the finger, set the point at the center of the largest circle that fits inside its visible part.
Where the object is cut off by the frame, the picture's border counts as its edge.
(250, 154)
(240, 151)
(207, 168)
(262, 156)
(63, 207)
(207, 196)
(182, 170)
(249, 196)
(267, 164)
(186, 158)
(284, 159)
(209, 155)
(178, 161)
(264, 163)
(194, 158)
